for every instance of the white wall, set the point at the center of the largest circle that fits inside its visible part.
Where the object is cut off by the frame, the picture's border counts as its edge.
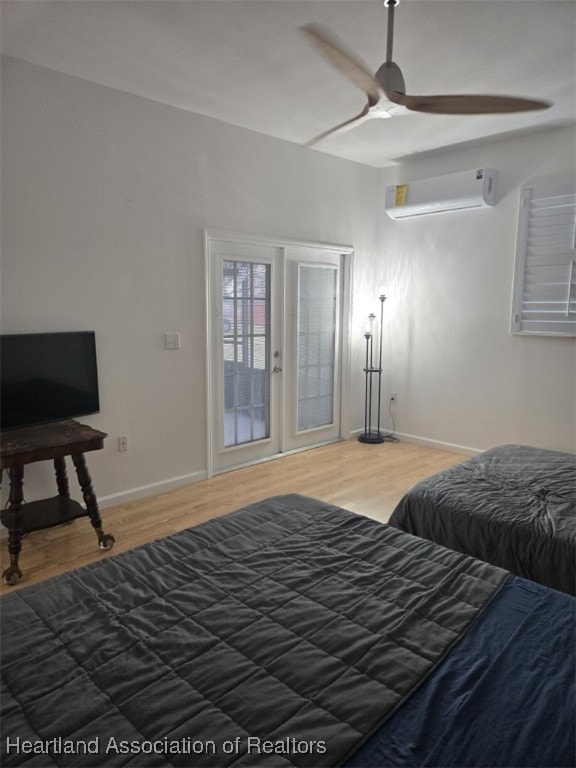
(462, 377)
(105, 199)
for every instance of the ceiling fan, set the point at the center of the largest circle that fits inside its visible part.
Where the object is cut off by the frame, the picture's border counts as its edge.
(386, 91)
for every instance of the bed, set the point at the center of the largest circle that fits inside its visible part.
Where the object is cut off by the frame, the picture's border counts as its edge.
(513, 506)
(288, 633)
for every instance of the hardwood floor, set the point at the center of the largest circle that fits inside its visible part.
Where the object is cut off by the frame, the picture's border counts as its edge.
(367, 479)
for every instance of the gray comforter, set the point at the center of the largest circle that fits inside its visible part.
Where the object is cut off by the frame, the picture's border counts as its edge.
(513, 506)
(282, 634)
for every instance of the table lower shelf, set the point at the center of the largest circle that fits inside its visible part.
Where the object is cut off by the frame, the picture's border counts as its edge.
(37, 515)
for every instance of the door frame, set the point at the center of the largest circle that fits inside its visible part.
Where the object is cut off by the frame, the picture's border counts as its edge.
(245, 238)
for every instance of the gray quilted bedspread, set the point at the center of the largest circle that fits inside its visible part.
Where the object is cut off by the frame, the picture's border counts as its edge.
(282, 634)
(513, 506)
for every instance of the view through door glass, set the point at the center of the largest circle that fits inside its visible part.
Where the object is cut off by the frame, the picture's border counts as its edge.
(246, 290)
(317, 324)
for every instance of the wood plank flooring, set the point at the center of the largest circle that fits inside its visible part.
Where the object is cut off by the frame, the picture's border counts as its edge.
(367, 479)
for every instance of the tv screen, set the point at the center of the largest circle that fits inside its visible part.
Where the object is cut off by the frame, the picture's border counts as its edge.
(47, 377)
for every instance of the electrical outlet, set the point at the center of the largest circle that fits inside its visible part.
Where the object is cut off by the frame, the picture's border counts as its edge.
(393, 397)
(171, 341)
(123, 443)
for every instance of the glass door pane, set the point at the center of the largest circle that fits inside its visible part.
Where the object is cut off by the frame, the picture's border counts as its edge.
(312, 349)
(317, 326)
(246, 297)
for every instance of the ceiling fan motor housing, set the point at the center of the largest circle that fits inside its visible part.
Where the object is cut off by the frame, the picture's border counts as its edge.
(390, 78)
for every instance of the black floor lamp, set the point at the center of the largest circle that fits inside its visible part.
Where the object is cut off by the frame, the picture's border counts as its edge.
(373, 435)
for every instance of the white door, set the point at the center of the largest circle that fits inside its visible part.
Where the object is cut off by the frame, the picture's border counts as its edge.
(275, 349)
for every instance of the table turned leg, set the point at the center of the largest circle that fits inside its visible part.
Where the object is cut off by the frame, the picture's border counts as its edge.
(61, 477)
(13, 574)
(105, 540)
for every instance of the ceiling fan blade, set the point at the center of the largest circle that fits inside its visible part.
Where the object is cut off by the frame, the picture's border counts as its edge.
(391, 82)
(473, 104)
(341, 126)
(334, 51)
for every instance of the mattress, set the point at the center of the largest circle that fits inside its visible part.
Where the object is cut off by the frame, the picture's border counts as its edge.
(513, 506)
(289, 633)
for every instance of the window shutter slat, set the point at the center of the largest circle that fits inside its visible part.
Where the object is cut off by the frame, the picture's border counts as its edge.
(550, 257)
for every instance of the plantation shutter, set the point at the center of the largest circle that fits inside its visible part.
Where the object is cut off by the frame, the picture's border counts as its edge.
(545, 275)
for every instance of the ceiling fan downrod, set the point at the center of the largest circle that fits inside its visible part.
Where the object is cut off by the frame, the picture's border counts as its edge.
(389, 75)
(390, 4)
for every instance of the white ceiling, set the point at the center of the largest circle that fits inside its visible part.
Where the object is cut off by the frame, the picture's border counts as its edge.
(244, 62)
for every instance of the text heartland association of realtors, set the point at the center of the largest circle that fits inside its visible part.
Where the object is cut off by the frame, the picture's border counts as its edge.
(187, 746)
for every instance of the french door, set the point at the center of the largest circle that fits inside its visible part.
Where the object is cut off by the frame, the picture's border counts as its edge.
(275, 348)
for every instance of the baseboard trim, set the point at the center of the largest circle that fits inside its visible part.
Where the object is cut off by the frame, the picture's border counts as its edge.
(141, 491)
(441, 445)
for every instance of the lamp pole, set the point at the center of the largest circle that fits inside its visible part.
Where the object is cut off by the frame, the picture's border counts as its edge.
(369, 435)
(382, 299)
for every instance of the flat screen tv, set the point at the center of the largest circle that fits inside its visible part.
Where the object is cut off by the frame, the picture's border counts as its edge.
(47, 377)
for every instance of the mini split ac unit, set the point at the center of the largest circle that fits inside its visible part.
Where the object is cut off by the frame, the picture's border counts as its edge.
(453, 192)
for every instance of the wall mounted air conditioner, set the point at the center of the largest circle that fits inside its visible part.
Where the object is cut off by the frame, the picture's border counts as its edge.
(453, 192)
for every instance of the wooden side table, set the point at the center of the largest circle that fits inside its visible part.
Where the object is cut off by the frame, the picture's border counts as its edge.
(44, 442)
